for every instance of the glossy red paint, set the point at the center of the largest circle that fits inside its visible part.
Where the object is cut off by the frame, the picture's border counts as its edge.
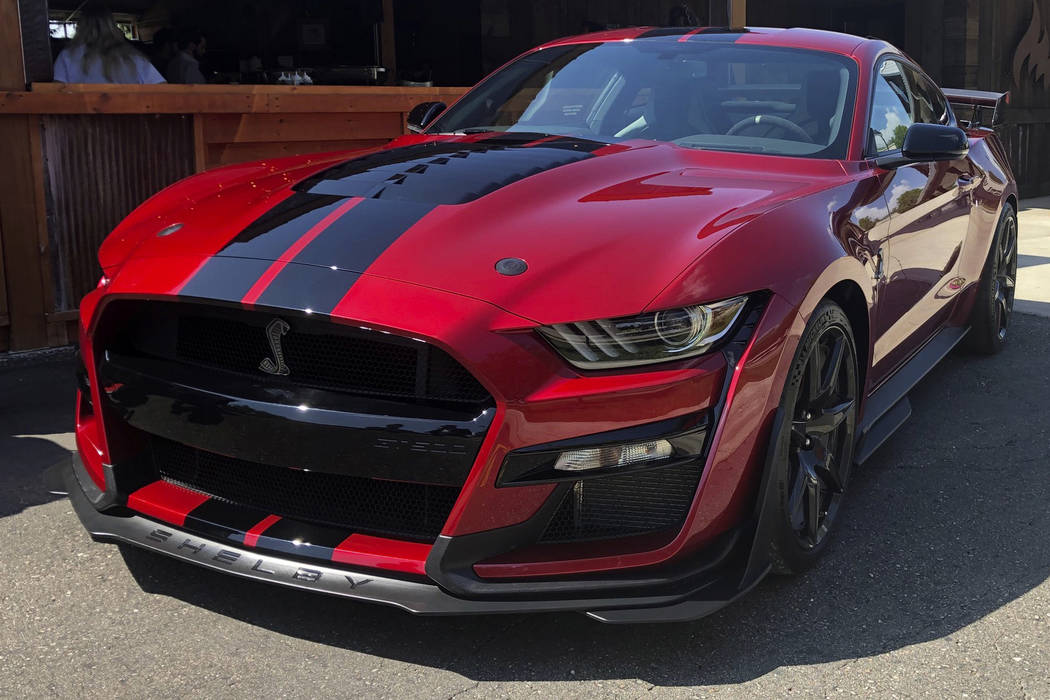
(382, 553)
(165, 502)
(675, 226)
(251, 537)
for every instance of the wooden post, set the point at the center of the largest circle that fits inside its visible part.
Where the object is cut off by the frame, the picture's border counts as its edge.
(737, 13)
(22, 208)
(389, 43)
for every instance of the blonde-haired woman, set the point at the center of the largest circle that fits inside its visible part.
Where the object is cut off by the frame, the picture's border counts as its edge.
(99, 53)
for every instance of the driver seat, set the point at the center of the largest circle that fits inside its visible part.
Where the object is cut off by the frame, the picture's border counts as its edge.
(820, 99)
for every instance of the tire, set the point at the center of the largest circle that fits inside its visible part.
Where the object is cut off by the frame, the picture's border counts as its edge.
(813, 454)
(994, 305)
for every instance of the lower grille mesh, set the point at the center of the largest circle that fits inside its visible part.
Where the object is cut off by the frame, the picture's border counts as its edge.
(399, 509)
(620, 506)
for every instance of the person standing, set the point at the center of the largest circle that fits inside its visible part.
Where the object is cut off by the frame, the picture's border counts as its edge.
(99, 53)
(185, 66)
(162, 48)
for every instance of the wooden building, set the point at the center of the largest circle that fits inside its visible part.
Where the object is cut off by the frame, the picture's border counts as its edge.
(75, 159)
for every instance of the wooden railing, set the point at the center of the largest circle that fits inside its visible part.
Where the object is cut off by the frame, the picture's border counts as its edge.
(48, 223)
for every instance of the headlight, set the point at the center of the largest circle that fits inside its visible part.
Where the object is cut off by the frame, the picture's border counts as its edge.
(645, 339)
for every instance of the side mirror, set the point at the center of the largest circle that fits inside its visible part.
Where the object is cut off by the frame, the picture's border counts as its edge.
(423, 114)
(924, 143)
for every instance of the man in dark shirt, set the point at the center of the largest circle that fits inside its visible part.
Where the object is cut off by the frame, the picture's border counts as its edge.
(184, 67)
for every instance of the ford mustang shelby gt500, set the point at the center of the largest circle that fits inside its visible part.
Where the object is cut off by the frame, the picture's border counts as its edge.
(609, 334)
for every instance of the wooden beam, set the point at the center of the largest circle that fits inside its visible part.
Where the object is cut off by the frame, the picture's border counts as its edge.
(21, 215)
(268, 128)
(58, 98)
(12, 62)
(22, 212)
(200, 145)
(63, 316)
(737, 13)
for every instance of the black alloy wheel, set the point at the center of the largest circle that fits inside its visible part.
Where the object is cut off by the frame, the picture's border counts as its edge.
(1005, 281)
(814, 455)
(994, 304)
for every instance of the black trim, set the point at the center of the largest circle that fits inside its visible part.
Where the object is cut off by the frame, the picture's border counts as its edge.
(217, 518)
(292, 427)
(296, 538)
(908, 375)
(730, 33)
(887, 408)
(882, 430)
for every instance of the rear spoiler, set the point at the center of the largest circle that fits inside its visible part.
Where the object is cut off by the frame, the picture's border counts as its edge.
(975, 104)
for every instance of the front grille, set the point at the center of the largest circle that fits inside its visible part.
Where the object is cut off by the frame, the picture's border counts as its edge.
(398, 509)
(349, 360)
(621, 506)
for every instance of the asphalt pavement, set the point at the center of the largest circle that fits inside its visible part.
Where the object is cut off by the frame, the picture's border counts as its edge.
(937, 585)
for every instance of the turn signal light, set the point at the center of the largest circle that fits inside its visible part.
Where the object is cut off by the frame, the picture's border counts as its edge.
(615, 456)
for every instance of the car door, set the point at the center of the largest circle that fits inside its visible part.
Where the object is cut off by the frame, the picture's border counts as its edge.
(929, 207)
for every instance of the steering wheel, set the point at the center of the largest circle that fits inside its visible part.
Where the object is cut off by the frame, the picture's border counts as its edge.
(773, 120)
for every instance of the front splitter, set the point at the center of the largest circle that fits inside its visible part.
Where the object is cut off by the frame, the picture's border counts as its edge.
(417, 597)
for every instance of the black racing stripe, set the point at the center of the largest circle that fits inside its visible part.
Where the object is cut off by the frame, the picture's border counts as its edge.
(357, 238)
(223, 520)
(447, 172)
(276, 230)
(308, 288)
(302, 539)
(225, 279)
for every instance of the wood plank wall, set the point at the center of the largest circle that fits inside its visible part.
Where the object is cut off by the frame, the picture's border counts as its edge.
(79, 158)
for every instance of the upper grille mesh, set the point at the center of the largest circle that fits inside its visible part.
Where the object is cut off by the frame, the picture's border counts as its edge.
(349, 363)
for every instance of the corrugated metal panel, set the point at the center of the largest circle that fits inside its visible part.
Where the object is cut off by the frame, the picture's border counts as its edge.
(99, 168)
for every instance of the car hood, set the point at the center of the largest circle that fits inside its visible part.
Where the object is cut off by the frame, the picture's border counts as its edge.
(601, 229)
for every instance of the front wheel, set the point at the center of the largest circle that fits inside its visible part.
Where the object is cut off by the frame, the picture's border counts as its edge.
(814, 443)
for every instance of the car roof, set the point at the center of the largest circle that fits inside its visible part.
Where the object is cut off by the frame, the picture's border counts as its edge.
(816, 39)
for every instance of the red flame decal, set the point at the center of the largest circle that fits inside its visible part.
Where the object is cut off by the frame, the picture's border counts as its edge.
(1033, 49)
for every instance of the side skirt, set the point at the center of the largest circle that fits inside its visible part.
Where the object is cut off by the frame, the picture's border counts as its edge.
(888, 408)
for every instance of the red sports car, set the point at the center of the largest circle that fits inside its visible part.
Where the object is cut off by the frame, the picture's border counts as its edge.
(609, 334)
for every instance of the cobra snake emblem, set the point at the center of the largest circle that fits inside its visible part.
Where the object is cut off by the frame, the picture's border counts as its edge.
(275, 365)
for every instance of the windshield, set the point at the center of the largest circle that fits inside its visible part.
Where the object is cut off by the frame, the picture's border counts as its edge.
(713, 96)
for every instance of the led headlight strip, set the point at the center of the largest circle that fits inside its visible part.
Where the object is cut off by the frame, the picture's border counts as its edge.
(648, 338)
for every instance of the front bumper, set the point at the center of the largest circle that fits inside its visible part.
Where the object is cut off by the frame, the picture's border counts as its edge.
(729, 572)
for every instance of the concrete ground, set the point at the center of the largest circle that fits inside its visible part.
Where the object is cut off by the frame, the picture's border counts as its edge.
(1033, 261)
(938, 584)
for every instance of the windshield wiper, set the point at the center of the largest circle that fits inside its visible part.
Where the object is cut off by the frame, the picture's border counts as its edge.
(478, 129)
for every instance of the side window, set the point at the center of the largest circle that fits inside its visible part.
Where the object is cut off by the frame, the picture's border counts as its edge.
(930, 105)
(891, 109)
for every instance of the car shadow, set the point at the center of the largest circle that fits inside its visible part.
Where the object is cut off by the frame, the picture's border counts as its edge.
(36, 418)
(944, 526)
